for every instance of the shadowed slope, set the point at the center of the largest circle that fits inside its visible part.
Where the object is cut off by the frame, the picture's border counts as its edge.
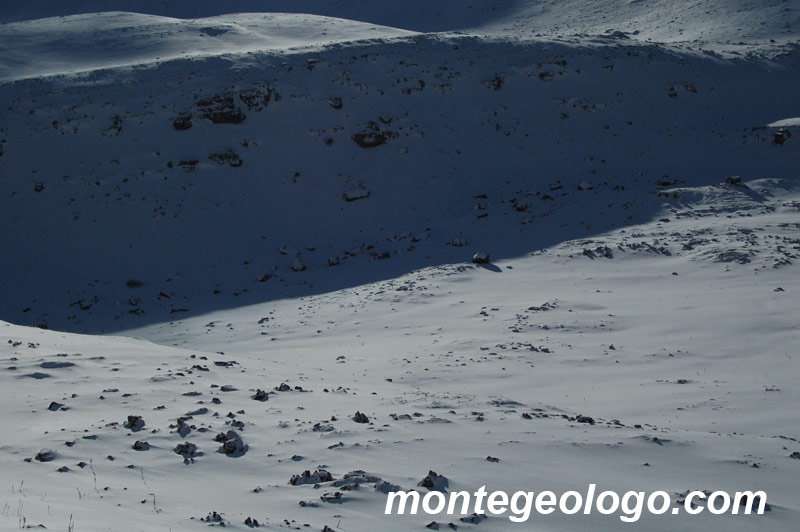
(227, 181)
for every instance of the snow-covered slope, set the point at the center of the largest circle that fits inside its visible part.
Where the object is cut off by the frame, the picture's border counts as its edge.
(135, 174)
(685, 362)
(736, 24)
(294, 197)
(82, 43)
(417, 15)
(88, 35)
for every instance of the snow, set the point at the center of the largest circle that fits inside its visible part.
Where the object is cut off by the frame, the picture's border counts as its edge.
(65, 45)
(237, 278)
(786, 122)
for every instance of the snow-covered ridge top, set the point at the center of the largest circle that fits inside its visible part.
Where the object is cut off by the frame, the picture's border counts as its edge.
(710, 21)
(46, 44)
(78, 43)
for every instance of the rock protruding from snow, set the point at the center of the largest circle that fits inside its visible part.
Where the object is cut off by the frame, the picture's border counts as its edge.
(356, 193)
(307, 477)
(45, 455)
(232, 443)
(434, 482)
(373, 135)
(387, 487)
(187, 450)
(782, 136)
(182, 427)
(260, 395)
(134, 423)
(182, 122)
(298, 265)
(480, 257)
(221, 109)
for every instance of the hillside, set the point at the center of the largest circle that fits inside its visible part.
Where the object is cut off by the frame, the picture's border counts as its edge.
(208, 203)
(255, 156)
(735, 24)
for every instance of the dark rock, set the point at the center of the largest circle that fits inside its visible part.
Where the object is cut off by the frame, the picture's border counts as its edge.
(56, 365)
(496, 83)
(257, 99)
(212, 517)
(387, 487)
(480, 257)
(141, 446)
(182, 122)
(335, 496)
(134, 423)
(221, 109)
(186, 449)
(369, 139)
(45, 455)
(781, 136)
(306, 477)
(188, 165)
(182, 427)
(115, 128)
(227, 156)
(473, 519)
(373, 136)
(434, 482)
(232, 443)
(356, 193)
(360, 418)
(739, 257)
